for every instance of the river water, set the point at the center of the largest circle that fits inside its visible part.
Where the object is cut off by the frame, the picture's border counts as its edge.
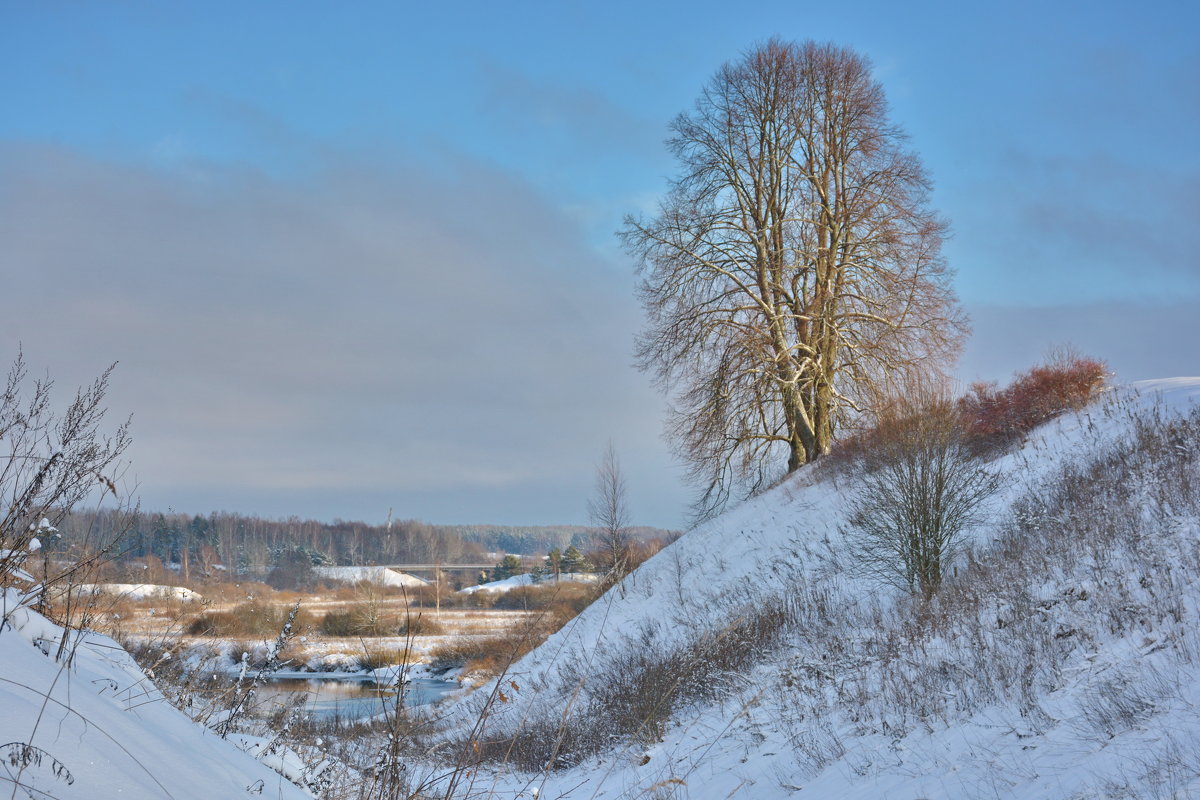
(344, 696)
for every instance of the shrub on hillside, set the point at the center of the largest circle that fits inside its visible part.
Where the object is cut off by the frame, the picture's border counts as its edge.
(995, 417)
(921, 489)
(992, 418)
(630, 693)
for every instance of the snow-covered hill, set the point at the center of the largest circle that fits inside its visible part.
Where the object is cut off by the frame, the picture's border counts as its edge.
(749, 660)
(382, 576)
(1060, 661)
(97, 728)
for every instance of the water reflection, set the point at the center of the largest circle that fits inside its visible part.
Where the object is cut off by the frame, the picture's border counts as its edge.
(347, 699)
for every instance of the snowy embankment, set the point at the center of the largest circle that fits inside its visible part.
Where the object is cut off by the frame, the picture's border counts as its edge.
(526, 579)
(381, 576)
(140, 591)
(92, 726)
(1059, 661)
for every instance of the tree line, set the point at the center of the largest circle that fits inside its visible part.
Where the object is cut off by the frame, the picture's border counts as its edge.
(242, 543)
(249, 544)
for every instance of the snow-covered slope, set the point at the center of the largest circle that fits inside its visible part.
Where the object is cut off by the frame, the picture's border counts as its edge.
(525, 579)
(869, 698)
(97, 728)
(140, 591)
(383, 576)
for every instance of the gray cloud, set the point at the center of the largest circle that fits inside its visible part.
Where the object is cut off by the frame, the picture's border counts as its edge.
(1138, 340)
(1078, 229)
(434, 337)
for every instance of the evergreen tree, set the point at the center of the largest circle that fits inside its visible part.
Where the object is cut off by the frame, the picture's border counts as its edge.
(553, 563)
(509, 566)
(573, 561)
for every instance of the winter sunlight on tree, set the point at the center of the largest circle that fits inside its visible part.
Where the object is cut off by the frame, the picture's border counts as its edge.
(793, 270)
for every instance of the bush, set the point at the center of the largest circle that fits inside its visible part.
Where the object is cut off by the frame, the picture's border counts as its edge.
(366, 620)
(995, 418)
(920, 490)
(631, 693)
(420, 625)
(569, 594)
(339, 623)
(373, 657)
(489, 655)
(992, 418)
(253, 619)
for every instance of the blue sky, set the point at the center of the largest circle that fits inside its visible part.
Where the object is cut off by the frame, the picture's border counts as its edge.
(361, 258)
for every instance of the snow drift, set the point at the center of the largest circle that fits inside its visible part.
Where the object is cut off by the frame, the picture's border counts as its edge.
(382, 576)
(93, 726)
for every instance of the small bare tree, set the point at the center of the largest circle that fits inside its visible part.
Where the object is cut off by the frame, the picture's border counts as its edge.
(49, 461)
(608, 511)
(919, 490)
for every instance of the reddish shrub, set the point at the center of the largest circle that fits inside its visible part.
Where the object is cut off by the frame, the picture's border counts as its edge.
(997, 417)
(992, 418)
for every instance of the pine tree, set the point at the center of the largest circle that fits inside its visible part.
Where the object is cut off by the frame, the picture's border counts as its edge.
(573, 561)
(509, 566)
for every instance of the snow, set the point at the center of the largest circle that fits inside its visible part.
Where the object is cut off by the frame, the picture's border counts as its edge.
(1119, 719)
(383, 576)
(101, 729)
(764, 740)
(526, 579)
(142, 591)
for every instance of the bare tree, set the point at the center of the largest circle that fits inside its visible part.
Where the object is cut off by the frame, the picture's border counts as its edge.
(607, 509)
(49, 461)
(793, 266)
(920, 489)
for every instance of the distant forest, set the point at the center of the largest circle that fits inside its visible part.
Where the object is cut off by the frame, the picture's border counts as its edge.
(251, 544)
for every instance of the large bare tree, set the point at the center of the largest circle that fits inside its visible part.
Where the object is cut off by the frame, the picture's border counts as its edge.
(793, 269)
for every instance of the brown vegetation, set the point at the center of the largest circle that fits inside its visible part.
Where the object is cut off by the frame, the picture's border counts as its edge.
(996, 418)
(254, 618)
(991, 418)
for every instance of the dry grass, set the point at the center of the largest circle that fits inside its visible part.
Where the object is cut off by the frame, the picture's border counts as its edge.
(250, 619)
(369, 621)
(484, 655)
